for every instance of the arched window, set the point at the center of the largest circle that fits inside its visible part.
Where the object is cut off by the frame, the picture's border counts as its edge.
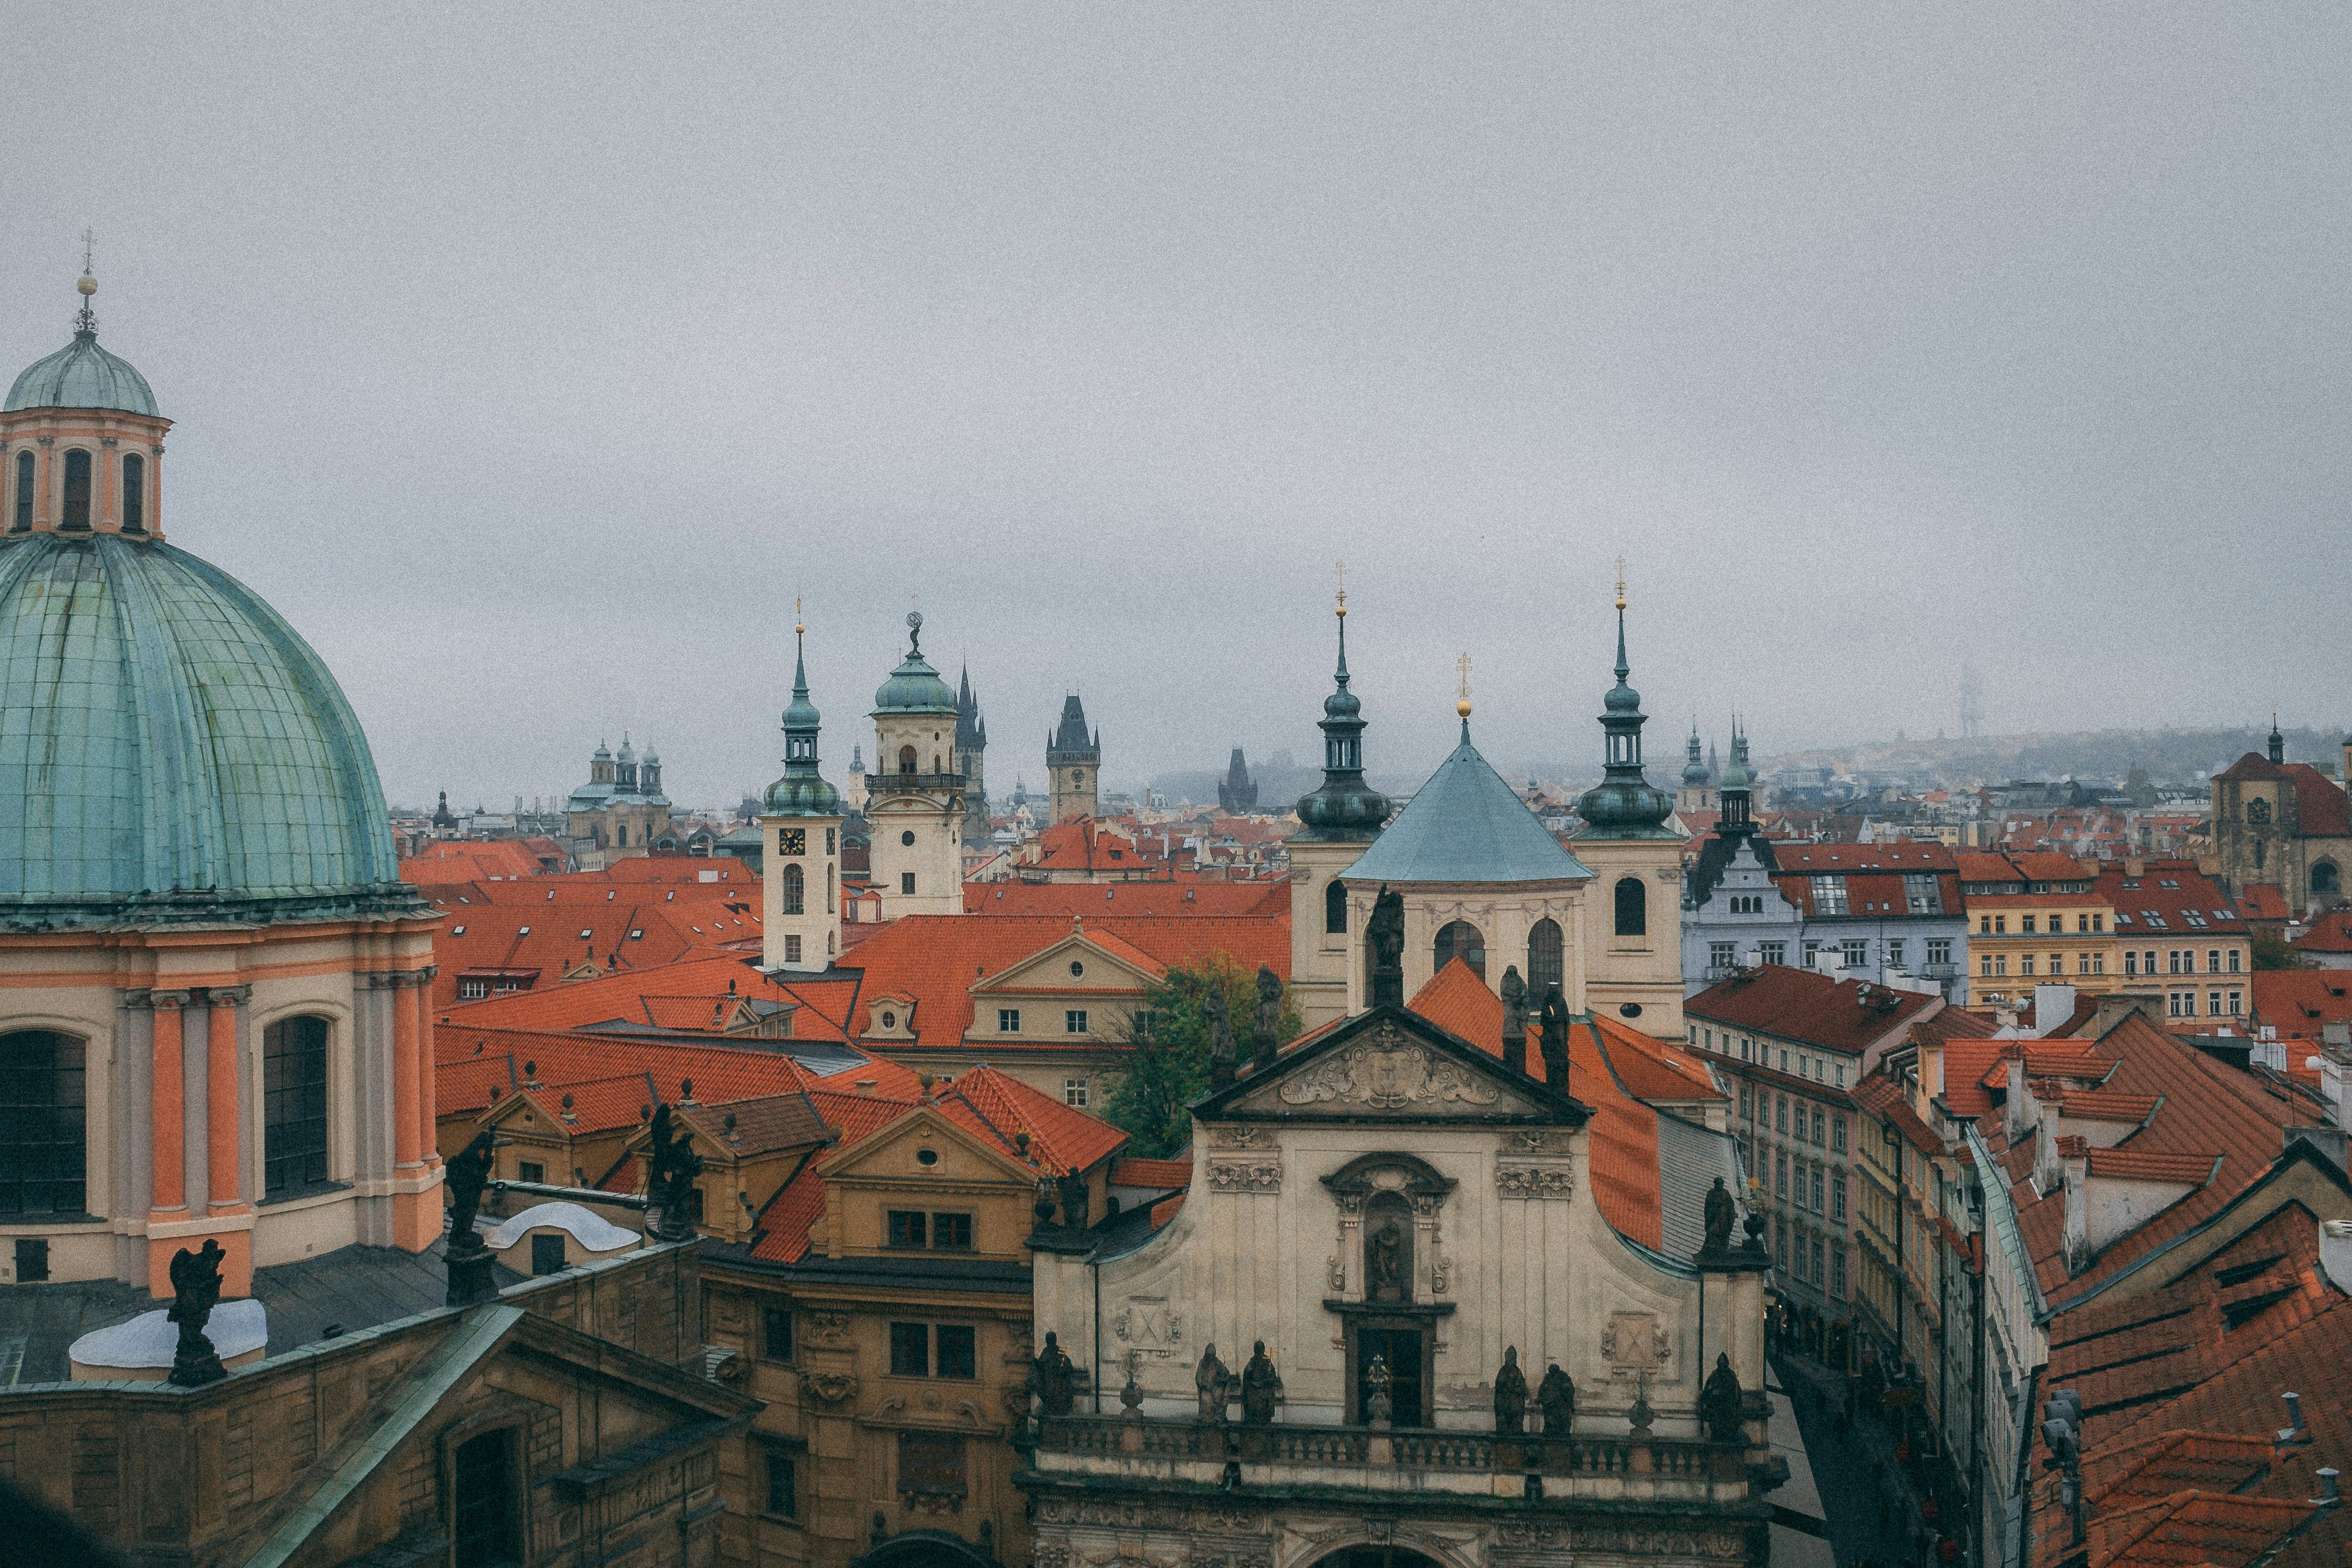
(905, 759)
(796, 894)
(1335, 908)
(1462, 940)
(1633, 907)
(621, 837)
(44, 1133)
(2325, 882)
(77, 489)
(24, 490)
(1544, 969)
(134, 493)
(293, 1105)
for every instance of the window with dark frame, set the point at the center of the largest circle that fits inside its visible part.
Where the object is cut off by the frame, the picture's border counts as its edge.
(44, 1123)
(483, 1503)
(77, 489)
(24, 490)
(910, 1227)
(776, 1333)
(951, 1231)
(911, 1350)
(958, 1352)
(531, 1170)
(1545, 967)
(783, 1500)
(294, 1105)
(134, 493)
(1633, 907)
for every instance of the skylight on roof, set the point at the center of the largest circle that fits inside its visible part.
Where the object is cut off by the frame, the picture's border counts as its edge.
(2155, 921)
(458, 931)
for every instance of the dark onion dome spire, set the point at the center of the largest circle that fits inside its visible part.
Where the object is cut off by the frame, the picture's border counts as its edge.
(1739, 780)
(1345, 809)
(914, 687)
(801, 792)
(1695, 772)
(1624, 805)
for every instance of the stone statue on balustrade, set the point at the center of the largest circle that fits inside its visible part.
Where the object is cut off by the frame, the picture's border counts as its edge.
(1510, 1397)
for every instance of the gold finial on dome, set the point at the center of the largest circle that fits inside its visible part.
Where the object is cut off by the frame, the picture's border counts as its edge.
(1463, 707)
(798, 627)
(1341, 568)
(1620, 582)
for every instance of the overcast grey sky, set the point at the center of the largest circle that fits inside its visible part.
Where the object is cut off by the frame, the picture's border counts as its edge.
(531, 359)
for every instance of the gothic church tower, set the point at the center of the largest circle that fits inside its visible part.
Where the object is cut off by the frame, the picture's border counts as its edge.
(1073, 763)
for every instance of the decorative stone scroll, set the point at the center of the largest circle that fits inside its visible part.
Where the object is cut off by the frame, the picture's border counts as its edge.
(1245, 1176)
(1534, 1181)
(1389, 1073)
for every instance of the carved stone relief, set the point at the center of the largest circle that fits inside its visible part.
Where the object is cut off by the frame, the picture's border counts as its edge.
(1147, 1326)
(1387, 1072)
(1634, 1341)
(1240, 1137)
(829, 1387)
(1534, 1181)
(830, 1330)
(1250, 1176)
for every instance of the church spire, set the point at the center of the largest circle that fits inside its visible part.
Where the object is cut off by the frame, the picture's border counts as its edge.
(1624, 805)
(802, 792)
(1345, 808)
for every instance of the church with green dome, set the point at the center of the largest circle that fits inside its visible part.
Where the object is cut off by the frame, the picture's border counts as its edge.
(214, 1019)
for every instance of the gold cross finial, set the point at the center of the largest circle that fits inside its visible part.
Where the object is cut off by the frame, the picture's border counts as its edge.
(1340, 568)
(1620, 582)
(798, 626)
(1463, 707)
(88, 246)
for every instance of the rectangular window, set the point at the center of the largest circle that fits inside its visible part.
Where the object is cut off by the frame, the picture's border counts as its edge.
(1812, 951)
(951, 1231)
(792, 950)
(1857, 952)
(1797, 1264)
(1780, 1174)
(906, 881)
(2212, 961)
(828, 839)
(1008, 1020)
(1818, 1189)
(911, 1350)
(1837, 1198)
(1817, 1260)
(776, 1332)
(1894, 952)
(1837, 1135)
(2025, 924)
(784, 1492)
(2237, 1004)
(1819, 1129)
(1746, 1103)
(908, 1227)
(1984, 964)
(1140, 1023)
(1074, 1022)
(2213, 1004)
(2131, 962)
(1074, 1092)
(1940, 950)
(32, 1259)
(1837, 1272)
(472, 990)
(2235, 954)
(531, 1170)
(294, 1104)
(1779, 1113)
(958, 1356)
(547, 1253)
(1772, 951)
(2025, 963)
(1720, 955)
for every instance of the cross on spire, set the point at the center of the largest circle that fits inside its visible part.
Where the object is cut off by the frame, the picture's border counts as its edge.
(1463, 665)
(89, 248)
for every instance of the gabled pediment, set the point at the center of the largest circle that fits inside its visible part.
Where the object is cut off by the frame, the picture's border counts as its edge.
(1049, 969)
(1389, 1065)
(890, 1155)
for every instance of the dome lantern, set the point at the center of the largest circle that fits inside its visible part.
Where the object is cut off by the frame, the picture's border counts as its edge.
(82, 445)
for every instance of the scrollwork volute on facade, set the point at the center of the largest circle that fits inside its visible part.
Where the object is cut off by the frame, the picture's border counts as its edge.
(1534, 1181)
(1240, 1137)
(1245, 1176)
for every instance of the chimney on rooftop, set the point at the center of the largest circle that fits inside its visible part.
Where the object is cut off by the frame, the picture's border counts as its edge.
(2016, 1115)
(2072, 1153)
(865, 1086)
(2294, 1433)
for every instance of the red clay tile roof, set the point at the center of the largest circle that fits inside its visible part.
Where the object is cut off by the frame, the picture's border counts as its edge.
(2209, 1109)
(2264, 901)
(983, 1101)
(2106, 1105)
(464, 1075)
(2299, 1003)
(936, 959)
(2193, 893)
(2320, 808)
(1162, 1175)
(1798, 1005)
(468, 860)
(1623, 1143)
(654, 999)
(2329, 934)
(1904, 854)
(2252, 765)
(2134, 1165)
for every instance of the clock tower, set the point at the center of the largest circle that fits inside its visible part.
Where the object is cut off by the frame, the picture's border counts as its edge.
(800, 888)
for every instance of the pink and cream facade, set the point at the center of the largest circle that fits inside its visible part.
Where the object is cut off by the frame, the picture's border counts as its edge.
(213, 1021)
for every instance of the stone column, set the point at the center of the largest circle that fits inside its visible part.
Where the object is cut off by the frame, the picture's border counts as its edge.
(416, 1214)
(166, 1099)
(224, 1103)
(426, 1111)
(406, 1076)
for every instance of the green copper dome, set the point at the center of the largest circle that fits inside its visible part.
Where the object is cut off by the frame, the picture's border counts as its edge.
(169, 746)
(802, 792)
(914, 687)
(82, 375)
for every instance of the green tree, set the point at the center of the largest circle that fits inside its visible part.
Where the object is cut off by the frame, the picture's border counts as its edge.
(1169, 1068)
(2271, 950)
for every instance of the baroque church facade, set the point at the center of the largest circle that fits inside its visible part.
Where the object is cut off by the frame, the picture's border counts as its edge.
(621, 811)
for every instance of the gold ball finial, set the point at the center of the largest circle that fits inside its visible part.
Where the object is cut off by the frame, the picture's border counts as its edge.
(1463, 707)
(87, 285)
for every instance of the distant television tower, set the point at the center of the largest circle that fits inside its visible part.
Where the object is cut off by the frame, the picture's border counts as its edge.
(1971, 703)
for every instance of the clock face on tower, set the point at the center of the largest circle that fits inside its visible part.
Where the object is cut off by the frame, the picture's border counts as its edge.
(792, 841)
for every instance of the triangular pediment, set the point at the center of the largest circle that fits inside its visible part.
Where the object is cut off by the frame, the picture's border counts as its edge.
(888, 1155)
(1049, 968)
(1389, 1065)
